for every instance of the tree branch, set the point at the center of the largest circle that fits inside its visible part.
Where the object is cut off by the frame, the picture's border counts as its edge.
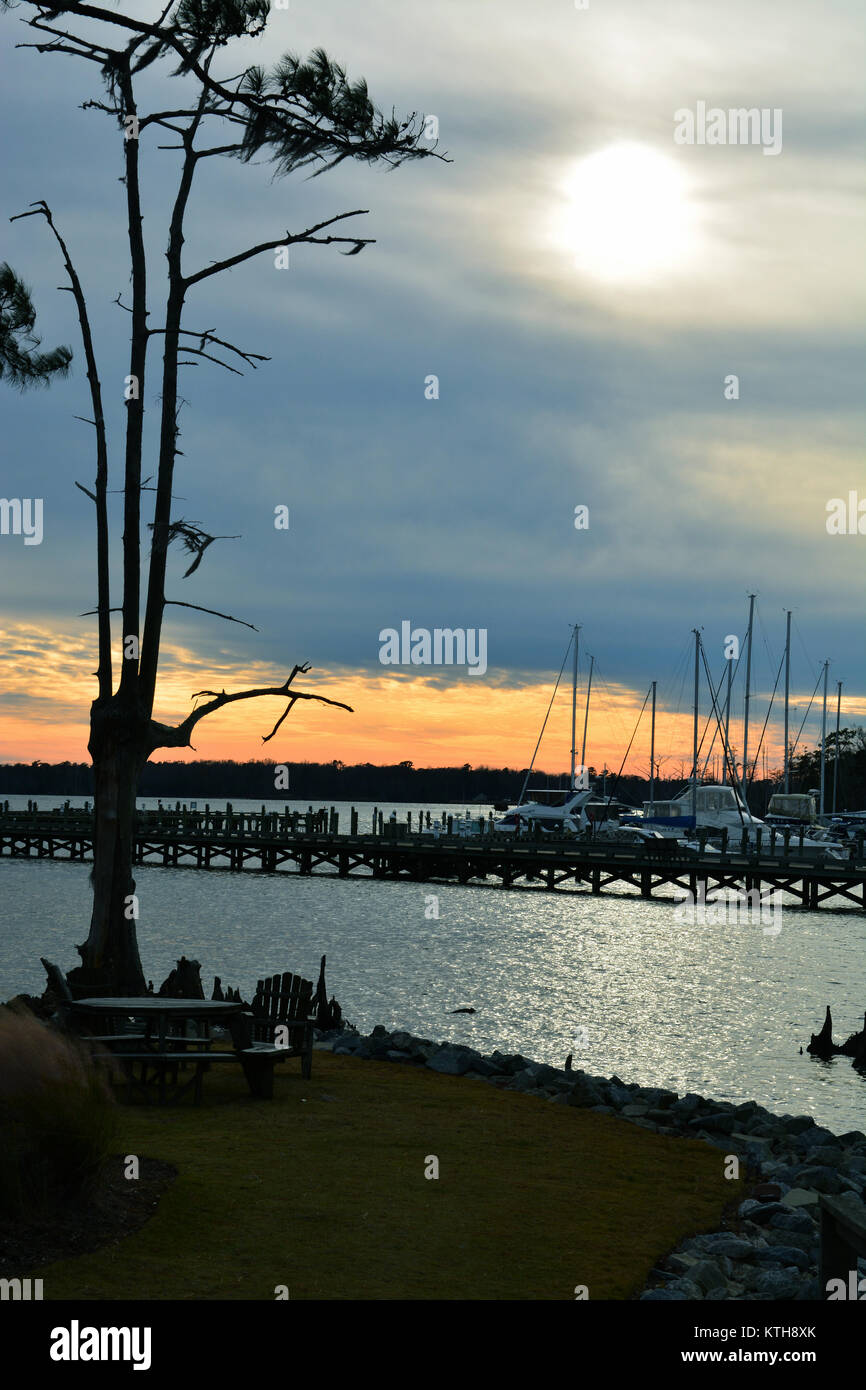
(177, 603)
(165, 736)
(288, 239)
(104, 666)
(208, 336)
(210, 357)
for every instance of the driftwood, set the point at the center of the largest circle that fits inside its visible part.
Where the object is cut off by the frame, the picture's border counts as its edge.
(184, 982)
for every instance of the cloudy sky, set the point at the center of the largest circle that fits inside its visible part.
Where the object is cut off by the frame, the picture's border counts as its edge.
(581, 284)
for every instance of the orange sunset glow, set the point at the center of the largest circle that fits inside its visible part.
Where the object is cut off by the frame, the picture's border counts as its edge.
(48, 686)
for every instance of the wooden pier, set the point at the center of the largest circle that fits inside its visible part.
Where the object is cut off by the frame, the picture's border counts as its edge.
(269, 842)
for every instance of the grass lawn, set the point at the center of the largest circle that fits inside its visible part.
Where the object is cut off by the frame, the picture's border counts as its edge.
(323, 1190)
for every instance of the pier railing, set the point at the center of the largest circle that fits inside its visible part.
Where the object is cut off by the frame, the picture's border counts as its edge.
(263, 823)
(780, 846)
(312, 842)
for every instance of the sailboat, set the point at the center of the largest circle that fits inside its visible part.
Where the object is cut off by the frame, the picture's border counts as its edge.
(716, 808)
(564, 813)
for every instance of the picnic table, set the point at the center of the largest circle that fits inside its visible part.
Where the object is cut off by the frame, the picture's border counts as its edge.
(160, 1049)
(261, 1036)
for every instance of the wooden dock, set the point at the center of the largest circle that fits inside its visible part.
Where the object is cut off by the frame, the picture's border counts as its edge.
(269, 842)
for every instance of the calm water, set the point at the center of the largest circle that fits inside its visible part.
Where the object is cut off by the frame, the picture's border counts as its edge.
(719, 1009)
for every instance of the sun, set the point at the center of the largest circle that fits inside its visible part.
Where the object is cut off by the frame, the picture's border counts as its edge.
(626, 214)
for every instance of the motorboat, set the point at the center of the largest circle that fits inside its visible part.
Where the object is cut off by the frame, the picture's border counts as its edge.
(715, 808)
(567, 817)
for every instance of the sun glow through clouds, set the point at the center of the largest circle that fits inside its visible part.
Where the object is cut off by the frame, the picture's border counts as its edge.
(627, 215)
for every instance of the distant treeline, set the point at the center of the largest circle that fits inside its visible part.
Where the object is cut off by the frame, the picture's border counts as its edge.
(402, 782)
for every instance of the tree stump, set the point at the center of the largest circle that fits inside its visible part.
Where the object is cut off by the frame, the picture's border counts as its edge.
(822, 1044)
(184, 982)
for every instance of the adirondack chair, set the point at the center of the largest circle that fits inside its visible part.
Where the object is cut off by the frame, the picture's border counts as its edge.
(279, 1024)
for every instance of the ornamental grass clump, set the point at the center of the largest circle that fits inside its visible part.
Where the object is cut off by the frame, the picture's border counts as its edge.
(57, 1116)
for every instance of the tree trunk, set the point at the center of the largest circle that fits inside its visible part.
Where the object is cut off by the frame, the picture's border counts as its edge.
(110, 963)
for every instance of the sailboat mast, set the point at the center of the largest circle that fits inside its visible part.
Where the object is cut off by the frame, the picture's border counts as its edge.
(695, 732)
(726, 749)
(748, 697)
(836, 749)
(653, 750)
(586, 713)
(574, 703)
(787, 693)
(824, 737)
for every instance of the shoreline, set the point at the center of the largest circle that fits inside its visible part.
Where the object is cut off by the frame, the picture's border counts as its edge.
(792, 1161)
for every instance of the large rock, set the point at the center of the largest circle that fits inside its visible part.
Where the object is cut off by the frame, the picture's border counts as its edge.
(798, 1220)
(826, 1155)
(707, 1275)
(783, 1256)
(755, 1143)
(510, 1062)
(524, 1081)
(583, 1093)
(800, 1197)
(854, 1204)
(658, 1097)
(762, 1214)
(453, 1060)
(776, 1283)
(617, 1094)
(487, 1068)
(545, 1075)
(803, 1240)
(686, 1287)
(796, 1124)
(726, 1243)
(748, 1107)
(687, 1106)
(821, 1178)
(717, 1120)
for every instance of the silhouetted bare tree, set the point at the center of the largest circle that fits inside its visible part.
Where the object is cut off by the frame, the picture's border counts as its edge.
(299, 114)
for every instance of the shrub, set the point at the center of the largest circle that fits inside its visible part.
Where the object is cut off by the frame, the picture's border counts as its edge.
(57, 1115)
